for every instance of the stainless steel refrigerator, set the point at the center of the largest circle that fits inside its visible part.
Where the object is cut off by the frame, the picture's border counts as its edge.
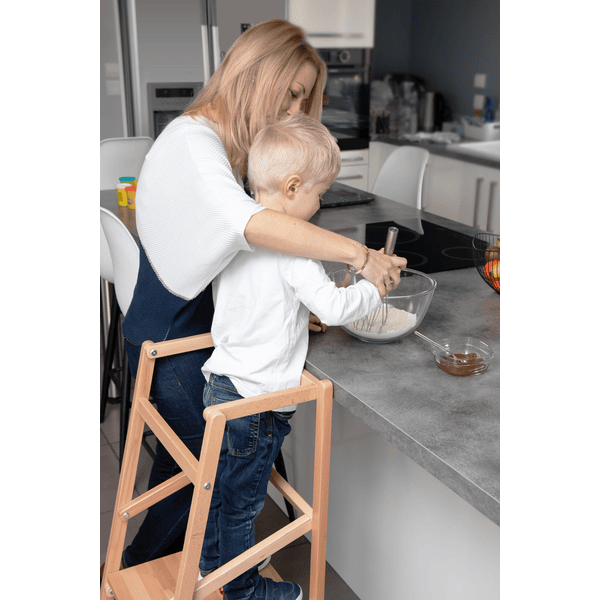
(156, 53)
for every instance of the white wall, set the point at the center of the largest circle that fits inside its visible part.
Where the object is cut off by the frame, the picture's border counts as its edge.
(394, 531)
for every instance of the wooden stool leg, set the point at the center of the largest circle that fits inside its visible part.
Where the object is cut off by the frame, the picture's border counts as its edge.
(203, 489)
(321, 490)
(129, 466)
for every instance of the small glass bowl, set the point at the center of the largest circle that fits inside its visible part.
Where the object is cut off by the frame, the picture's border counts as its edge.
(463, 345)
(413, 295)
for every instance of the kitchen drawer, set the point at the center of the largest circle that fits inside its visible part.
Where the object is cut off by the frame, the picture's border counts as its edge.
(355, 157)
(355, 175)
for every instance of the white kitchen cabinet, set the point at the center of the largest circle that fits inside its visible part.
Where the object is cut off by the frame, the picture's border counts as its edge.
(335, 23)
(355, 169)
(463, 191)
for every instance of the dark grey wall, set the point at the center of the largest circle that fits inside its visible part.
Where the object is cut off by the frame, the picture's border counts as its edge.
(448, 42)
(392, 37)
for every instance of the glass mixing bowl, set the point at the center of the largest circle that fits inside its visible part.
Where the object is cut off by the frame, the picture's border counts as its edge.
(407, 305)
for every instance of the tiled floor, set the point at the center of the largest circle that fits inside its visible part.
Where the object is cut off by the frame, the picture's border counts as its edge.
(292, 563)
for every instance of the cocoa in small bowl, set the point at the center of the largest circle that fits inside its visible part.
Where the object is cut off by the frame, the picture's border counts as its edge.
(476, 356)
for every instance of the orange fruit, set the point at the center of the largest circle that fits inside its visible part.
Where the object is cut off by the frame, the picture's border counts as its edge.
(492, 269)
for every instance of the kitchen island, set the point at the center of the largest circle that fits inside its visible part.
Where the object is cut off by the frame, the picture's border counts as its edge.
(449, 425)
(415, 473)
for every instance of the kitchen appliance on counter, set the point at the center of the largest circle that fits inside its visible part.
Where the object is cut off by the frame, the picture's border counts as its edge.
(405, 105)
(166, 101)
(346, 96)
(434, 111)
(408, 92)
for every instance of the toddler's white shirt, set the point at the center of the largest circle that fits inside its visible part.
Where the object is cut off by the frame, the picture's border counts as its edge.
(260, 326)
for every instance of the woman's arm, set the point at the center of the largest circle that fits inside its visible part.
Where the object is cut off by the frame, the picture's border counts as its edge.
(280, 232)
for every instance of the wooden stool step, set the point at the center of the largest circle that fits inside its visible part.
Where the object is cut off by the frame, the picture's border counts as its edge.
(156, 580)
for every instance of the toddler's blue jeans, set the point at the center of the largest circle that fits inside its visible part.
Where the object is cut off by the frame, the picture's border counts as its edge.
(250, 446)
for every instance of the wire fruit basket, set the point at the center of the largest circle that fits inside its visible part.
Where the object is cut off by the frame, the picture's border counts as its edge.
(486, 255)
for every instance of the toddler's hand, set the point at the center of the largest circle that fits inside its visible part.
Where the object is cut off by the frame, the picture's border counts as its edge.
(314, 323)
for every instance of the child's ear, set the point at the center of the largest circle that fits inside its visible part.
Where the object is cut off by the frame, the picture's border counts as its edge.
(291, 186)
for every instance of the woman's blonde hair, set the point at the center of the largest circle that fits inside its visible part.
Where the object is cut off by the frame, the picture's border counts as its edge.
(248, 89)
(295, 145)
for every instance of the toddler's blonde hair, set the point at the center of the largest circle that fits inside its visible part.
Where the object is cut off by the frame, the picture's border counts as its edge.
(249, 87)
(295, 145)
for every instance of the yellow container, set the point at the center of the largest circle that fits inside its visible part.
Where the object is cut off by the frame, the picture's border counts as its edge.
(122, 193)
(131, 195)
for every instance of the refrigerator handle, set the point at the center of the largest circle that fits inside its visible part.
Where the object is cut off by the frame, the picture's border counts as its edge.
(216, 47)
(205, 53)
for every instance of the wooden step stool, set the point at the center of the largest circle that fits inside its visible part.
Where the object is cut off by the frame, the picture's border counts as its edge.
(175, 577)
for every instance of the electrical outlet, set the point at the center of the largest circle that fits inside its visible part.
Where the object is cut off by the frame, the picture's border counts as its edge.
(478, 101)
(479, 81)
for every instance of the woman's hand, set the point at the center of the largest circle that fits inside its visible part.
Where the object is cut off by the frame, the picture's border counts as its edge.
(314, 323)
(383, 271)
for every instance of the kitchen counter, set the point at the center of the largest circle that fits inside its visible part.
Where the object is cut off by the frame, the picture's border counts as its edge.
(439, 149)
(448, 425)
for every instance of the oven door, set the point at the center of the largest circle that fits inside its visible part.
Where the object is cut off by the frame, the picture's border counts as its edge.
(346, 107)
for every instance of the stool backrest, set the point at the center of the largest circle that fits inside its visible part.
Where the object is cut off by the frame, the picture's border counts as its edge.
(124, 254)
(122, 157)
(401, 176)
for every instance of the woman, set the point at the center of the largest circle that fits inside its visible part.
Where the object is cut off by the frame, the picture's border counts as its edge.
(193, 217)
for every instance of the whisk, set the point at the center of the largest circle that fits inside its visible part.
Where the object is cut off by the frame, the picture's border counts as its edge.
(377, 319)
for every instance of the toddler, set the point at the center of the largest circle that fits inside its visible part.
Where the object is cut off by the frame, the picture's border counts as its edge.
(260, 332)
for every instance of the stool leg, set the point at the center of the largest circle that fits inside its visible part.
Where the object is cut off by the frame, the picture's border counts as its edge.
(125, 404)
(280, 468)
(110, 353)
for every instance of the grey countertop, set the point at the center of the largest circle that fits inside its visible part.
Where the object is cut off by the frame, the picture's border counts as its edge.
(439, 149)
(448, 425)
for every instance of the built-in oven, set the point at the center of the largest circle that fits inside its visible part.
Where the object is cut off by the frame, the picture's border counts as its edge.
(166, 101)
(346, 96)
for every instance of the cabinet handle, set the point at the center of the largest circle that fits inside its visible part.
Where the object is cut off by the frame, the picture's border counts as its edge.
(355, 159)
(348, 71)
(336, 35)
(478, 184)
(349, 177)
(490, 205)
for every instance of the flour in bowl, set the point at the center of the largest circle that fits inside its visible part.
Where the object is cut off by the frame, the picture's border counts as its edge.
(398, 322)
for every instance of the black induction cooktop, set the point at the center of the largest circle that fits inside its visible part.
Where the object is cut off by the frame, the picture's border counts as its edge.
(436, 249)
